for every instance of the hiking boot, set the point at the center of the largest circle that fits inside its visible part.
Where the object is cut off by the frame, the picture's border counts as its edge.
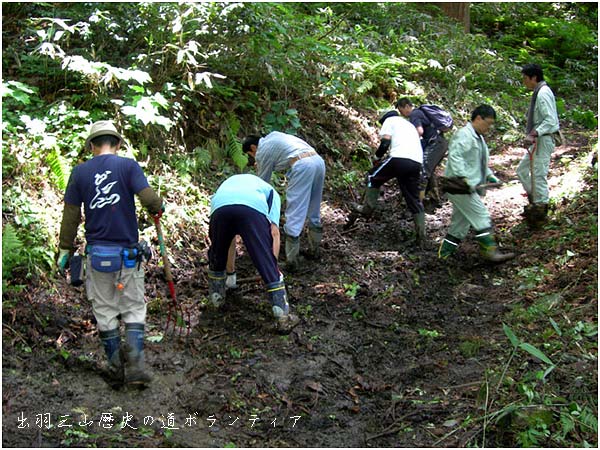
(135, 372)
(489, 248)
(448, 247)
(216, 287)
(111, 340)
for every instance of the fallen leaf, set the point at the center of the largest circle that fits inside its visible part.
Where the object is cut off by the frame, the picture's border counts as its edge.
(450, 423)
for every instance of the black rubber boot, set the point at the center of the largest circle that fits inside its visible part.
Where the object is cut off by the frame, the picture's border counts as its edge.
(216, 287)
(111, 340)
(285, 321)
(293, 260)
(421, 237)
(135, 372)
(370, 203)
(315, 236)
(537, 215)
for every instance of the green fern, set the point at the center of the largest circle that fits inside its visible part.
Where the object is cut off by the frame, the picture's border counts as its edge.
(11, 249)
(203, 158)
(234, 146)
(59, 167)
(214, 150)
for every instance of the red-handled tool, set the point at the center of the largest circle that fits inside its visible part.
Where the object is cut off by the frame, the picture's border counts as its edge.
(175, 308)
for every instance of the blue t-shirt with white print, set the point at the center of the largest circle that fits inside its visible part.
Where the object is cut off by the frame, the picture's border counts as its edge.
(106, 185)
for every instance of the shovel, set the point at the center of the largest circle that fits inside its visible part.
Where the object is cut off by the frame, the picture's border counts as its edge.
(175, 313)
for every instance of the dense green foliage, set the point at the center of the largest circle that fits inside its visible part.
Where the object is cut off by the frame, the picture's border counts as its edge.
(185, 81)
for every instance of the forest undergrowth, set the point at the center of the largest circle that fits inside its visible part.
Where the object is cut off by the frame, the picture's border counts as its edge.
(395, 348)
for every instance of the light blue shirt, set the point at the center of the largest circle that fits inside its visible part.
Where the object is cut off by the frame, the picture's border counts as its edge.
(274, 152)
(251, 191)
(545, 118)
(468, 156)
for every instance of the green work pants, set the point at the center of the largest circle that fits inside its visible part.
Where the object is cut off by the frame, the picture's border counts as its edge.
(541, 165)
(468, 211)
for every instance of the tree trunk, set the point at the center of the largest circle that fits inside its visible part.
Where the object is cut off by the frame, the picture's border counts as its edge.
(458, 11)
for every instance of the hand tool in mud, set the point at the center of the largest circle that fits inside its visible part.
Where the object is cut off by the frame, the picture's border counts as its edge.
(175, 315)
(353, 215)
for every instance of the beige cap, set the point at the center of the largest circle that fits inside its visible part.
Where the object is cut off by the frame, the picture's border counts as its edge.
(101, 128)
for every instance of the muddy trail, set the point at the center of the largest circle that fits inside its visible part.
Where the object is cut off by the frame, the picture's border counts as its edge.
(392, 349)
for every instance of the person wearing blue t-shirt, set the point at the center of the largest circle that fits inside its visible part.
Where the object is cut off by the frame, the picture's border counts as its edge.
(247, 206)
(106, 186)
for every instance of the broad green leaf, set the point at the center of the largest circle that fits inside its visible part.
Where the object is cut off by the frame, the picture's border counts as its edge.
(555, 326)
(535, 352)
(514, 340)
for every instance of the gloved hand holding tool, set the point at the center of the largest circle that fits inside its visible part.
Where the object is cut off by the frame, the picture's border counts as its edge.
(62, 260)
(455, 185)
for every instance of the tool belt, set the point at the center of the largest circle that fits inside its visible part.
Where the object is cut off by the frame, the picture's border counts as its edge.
(300, 156)
(110, 258)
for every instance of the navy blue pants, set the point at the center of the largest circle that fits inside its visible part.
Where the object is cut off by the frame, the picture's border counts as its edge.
(408, 174)
(255, 230)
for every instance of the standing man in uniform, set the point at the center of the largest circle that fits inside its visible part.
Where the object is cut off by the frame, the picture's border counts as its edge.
(468, 158)
(306, 176)
(542, 127)
(400, 138)
(106, 185)
(245, 205)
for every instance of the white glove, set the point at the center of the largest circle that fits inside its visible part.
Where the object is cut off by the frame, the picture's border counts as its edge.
(231, 281)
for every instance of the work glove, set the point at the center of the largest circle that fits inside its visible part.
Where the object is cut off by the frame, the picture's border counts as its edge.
(455, 185)
(159, 214)
(492, 179)
(62, 260)
(531, 137)
(231, 280)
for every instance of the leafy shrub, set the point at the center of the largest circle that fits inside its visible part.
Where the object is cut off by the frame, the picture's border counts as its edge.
(11, 252)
